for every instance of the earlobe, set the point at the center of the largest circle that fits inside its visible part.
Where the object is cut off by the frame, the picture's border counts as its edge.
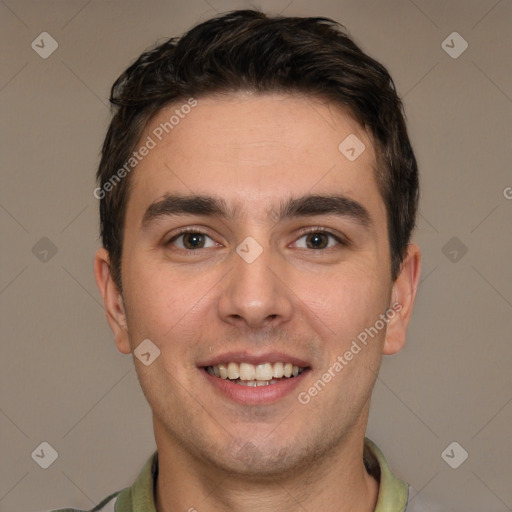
(112, 300)
(403, 296)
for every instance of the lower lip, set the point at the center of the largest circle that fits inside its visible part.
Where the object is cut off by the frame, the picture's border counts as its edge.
(250, 395)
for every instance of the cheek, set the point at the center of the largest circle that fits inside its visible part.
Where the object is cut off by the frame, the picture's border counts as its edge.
(345, 302)
(152, 307)
(166, 305)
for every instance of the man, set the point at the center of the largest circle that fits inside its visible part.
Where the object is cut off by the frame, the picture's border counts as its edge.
(257, 196)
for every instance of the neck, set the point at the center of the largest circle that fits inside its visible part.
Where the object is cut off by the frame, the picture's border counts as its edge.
(337, 482)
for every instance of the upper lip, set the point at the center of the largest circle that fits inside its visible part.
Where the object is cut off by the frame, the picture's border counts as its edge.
(246, 357)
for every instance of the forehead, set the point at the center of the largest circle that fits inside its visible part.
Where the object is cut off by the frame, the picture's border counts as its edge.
(253, 150)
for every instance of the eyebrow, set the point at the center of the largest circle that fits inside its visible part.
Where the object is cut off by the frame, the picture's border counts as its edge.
(304, 206)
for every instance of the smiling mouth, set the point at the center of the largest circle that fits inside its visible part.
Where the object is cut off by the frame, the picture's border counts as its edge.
(247, 374)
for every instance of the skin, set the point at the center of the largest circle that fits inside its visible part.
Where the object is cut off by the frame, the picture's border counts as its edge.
(254, 152)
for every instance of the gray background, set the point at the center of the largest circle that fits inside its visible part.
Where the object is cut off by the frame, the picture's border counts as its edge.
(62, 380)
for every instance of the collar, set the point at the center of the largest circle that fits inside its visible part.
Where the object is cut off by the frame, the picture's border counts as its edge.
(393, 492)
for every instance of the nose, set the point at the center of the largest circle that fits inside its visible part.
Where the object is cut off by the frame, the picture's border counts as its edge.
(255, 293)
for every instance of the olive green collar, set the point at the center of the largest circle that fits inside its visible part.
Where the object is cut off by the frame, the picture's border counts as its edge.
(393, 492)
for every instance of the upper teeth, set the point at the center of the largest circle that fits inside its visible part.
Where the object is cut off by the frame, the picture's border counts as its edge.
(247, 371)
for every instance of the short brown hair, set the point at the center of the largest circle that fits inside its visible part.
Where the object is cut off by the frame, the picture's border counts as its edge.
(247, 50)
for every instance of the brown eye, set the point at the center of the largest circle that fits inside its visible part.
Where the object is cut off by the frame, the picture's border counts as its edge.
(191, 240)
(317, 240)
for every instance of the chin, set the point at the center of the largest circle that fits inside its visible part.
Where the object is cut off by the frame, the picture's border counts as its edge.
(267, 464)
(264, 460)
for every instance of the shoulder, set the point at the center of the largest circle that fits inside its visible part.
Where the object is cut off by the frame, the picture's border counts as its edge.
(107, 505)
(126, 500)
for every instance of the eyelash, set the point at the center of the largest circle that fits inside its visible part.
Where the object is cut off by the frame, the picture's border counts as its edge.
(307, 231)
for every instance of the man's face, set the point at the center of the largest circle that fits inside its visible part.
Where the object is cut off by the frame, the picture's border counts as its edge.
(260, 283)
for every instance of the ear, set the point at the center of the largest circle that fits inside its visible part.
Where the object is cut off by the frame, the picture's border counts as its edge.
(403, 295)
(112, 299)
